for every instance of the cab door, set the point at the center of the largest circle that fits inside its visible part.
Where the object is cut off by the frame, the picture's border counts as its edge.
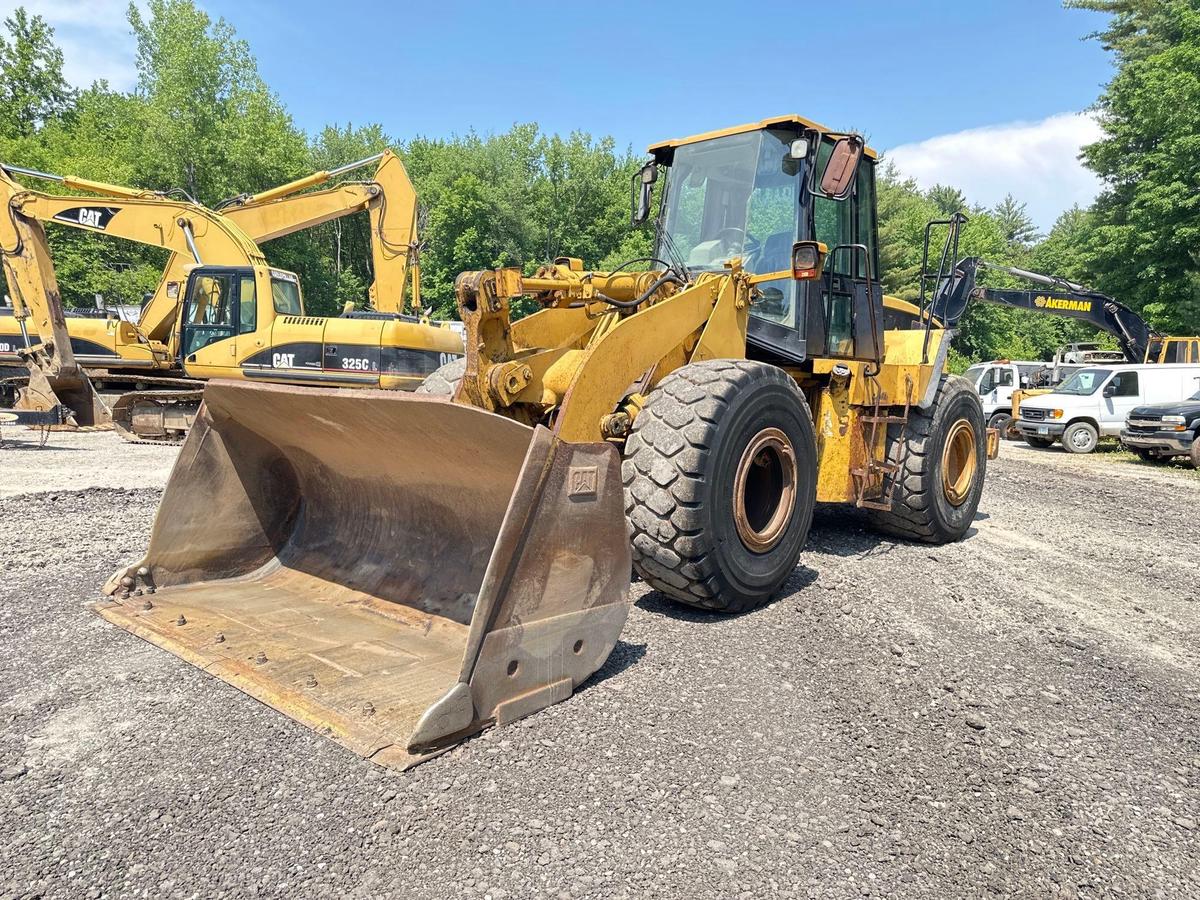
(214, 318)
(1118, 398)
(849, 295)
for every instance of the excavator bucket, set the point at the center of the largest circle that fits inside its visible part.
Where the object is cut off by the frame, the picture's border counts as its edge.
(394, 570)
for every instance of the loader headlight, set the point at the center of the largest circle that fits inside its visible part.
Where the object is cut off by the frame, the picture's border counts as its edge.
(808, 258)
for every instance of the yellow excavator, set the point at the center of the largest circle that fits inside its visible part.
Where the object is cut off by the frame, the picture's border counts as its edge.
(222, 311)
(399, 571)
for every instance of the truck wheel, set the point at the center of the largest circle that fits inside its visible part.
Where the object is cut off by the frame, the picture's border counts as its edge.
(720, 473)
(1001, 422)
(942, 458)
(1080, 437)
(1040, 442)
(444, 380)
(1195, 454)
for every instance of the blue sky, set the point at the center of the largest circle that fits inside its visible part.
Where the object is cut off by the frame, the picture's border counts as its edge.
(908, 74)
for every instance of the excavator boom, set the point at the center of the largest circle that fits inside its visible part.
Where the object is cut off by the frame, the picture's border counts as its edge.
(388, 198)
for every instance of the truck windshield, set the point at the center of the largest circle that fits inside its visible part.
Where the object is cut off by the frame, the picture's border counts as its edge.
(737, 196)
(1083, 382)
(972, 374)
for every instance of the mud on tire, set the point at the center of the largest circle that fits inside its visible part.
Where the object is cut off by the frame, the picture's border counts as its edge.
(921, 508)
(444, 380)
(711, 433)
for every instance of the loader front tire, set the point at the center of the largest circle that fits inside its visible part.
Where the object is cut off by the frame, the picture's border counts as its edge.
(942, 458)
(444, 380)
(720, 473)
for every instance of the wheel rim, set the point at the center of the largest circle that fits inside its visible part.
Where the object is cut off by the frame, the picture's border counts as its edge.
(959, 461)
(1080, 439)
(764, 491)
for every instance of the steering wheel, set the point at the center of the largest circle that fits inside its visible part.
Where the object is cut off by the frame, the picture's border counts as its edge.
(732, 237)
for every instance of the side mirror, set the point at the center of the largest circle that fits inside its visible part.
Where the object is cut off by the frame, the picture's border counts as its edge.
(808, 259)
(643, 189)
(1110, 390)
(837, 181)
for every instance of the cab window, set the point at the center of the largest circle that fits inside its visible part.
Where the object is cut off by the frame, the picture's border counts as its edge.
(248, 303)
(285, 293)
(1124, 384)
(864, 203)
(211, 313)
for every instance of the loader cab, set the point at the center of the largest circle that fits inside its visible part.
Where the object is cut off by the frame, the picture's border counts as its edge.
(227, 315)
(753, 193)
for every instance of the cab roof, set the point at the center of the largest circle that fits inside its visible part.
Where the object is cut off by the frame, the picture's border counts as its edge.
(793, 119)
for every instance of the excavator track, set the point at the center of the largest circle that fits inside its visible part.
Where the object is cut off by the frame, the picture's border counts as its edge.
(156, 417)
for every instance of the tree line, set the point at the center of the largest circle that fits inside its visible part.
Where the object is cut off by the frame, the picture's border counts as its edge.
(201, 119)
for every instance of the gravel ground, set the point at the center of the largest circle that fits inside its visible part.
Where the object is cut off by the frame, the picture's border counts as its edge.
(34, 460)
(1012, 715)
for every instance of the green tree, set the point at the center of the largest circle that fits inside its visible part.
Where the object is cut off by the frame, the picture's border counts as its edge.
(215, 127)
(948, 199)
(1016, 226)
(32, 88)
(1145, 247)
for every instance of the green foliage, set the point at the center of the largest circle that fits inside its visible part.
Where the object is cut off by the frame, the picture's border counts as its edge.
(201, 119)
(1145, 244)
(33, 90)
(214, 128)
(1016, 226)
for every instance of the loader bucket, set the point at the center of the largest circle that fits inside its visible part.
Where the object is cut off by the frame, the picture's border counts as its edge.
(394, 570)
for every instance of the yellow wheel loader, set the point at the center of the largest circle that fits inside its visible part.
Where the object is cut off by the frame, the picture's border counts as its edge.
(225, 313)
(399, 571)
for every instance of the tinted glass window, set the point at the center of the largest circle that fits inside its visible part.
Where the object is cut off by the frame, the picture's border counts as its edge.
(211, 313)
(1125, 384)
(248, 303)
(864, 202)
(285, 293)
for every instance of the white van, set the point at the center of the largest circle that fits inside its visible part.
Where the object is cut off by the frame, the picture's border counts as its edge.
(1094, 402)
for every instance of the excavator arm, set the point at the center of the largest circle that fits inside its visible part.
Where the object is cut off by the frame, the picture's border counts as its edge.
(56, 381)
(388, 198)
(1063, 298)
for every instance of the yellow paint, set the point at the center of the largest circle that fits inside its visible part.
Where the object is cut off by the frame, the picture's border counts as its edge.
(754, 126)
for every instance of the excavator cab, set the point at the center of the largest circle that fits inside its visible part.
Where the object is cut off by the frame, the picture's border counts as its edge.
(753, 195)
(228, 311)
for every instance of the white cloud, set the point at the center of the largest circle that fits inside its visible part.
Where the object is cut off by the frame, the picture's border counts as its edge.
(94, 36)
(1037, 162)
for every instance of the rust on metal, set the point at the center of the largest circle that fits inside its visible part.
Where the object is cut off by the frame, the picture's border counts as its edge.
(338, 552)
(764, 490)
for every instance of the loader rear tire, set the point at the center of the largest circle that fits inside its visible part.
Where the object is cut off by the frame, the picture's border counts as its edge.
(942, 458)
(720, 481)
(444, 380)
